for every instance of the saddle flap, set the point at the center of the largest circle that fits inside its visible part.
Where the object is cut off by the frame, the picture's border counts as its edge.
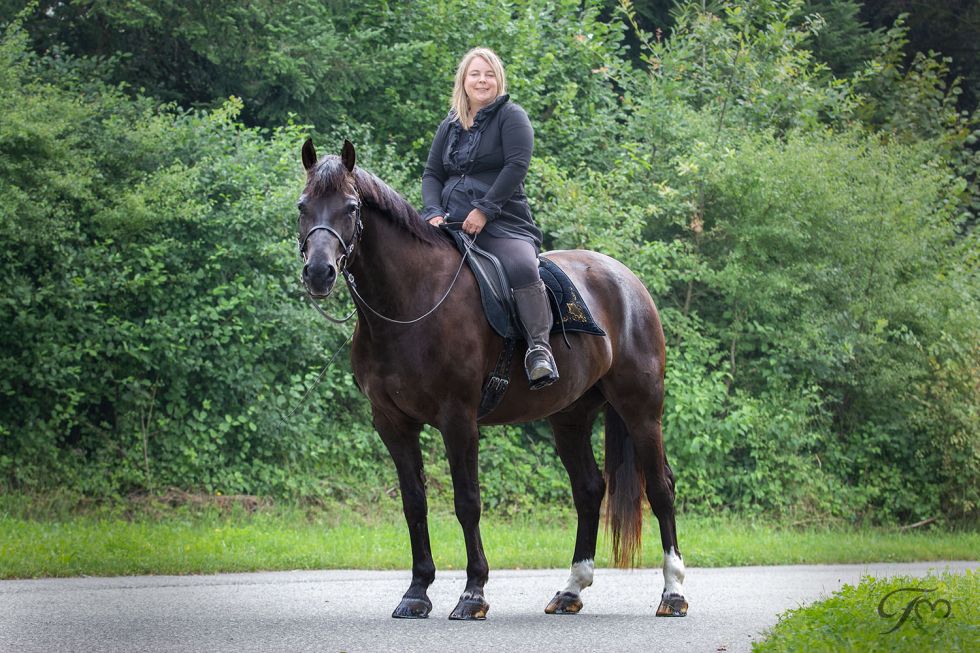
(494, 285)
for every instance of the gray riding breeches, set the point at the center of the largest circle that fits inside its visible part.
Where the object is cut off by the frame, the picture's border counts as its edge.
(519, 257)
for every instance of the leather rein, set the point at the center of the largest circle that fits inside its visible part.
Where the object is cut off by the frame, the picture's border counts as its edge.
(344, 261)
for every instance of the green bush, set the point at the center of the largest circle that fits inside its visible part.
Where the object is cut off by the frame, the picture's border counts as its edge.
(810, 241)
(155, 333)
(869, 617)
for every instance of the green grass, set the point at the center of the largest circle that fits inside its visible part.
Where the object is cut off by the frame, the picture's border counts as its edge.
(850, 619)
(157, 539)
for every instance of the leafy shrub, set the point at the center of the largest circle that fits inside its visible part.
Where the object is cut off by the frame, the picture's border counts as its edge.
(148, 263)
(851, 619)
(810, 241)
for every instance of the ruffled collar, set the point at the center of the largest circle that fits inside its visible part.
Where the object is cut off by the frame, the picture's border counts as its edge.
(483, 114)
(471, 140)
(490, 109)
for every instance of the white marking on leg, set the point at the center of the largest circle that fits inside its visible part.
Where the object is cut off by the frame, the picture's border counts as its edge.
(673, 573)
(581, 577)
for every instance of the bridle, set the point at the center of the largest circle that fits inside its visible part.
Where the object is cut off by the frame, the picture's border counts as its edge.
(345, 258)
(344, 261)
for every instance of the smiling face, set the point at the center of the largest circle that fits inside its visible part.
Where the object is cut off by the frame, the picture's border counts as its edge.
(480, 84)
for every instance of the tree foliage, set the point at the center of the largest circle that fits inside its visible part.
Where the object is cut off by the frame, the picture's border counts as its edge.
(803, 213)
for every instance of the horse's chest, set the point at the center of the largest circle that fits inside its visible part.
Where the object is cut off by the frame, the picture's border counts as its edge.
(392, 379)
(415, 372)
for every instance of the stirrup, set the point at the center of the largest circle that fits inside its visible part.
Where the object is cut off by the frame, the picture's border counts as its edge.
(545, 372)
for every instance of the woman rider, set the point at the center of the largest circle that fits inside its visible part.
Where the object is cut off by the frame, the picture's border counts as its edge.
(475, 176)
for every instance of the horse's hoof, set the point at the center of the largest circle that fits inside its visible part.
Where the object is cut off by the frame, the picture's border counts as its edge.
(564, 603)
(672, 605)
(470, 610)
(413, 609)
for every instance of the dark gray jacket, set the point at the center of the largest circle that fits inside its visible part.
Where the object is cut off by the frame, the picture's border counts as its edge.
(489, 175)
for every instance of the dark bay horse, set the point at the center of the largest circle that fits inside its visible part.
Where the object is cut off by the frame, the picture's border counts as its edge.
(431, 371)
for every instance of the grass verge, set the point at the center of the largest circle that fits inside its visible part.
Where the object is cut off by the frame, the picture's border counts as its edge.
(900, 614)
(162, 539)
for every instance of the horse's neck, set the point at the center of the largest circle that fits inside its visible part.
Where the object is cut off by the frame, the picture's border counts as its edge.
(394, 272)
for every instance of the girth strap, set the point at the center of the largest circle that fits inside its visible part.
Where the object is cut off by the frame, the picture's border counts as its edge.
(498, 381)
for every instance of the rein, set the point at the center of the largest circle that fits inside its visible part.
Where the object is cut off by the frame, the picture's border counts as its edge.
(344, 261)
(284, 419)
(353, 289)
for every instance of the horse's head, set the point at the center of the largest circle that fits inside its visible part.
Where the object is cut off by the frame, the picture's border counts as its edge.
(329, 217)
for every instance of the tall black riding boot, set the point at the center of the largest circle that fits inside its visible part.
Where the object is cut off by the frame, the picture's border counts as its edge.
(534, 312)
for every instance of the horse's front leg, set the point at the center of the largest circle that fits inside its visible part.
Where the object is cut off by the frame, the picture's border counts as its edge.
(462, 446)
(402, 439)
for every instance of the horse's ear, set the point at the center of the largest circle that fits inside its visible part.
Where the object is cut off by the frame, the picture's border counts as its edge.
(347, 155)
(309, 154)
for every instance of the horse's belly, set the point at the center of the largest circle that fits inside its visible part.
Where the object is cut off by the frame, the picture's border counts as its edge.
(579, 368)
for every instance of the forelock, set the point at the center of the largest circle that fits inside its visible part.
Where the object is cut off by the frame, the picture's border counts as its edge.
(329, 176)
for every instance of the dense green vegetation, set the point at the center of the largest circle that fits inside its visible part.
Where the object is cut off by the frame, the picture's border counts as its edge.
(806, 229)
(851, 620)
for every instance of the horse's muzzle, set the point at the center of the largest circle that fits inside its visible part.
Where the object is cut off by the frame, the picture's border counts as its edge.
(319, 277)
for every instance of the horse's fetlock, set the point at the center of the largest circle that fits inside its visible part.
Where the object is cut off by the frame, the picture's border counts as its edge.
(423, 575)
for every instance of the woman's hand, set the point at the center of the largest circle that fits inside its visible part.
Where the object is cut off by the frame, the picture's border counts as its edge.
(437, 220)
(474, 222)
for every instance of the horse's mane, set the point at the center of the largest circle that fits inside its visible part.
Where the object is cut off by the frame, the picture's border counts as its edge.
(329, 176)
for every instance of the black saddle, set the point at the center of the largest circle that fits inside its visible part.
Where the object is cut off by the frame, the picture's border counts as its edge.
(569, 310)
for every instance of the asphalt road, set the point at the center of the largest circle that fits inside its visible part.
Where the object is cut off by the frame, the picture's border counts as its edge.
(349, 611)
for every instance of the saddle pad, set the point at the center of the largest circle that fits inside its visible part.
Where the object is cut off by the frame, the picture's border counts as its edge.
(567, 305)
(569, 310)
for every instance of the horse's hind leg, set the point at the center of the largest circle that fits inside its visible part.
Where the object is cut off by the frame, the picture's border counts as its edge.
(402, 439)
(660, 494)
(661, 497)
(640, 407)
(573, 440)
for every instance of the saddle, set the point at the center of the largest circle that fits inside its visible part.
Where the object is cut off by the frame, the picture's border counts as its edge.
(570, 312)
(567, 307)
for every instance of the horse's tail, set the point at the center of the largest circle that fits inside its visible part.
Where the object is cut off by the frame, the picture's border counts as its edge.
(625, 484)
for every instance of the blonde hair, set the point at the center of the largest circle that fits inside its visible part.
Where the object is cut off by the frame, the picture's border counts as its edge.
(460, 103)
